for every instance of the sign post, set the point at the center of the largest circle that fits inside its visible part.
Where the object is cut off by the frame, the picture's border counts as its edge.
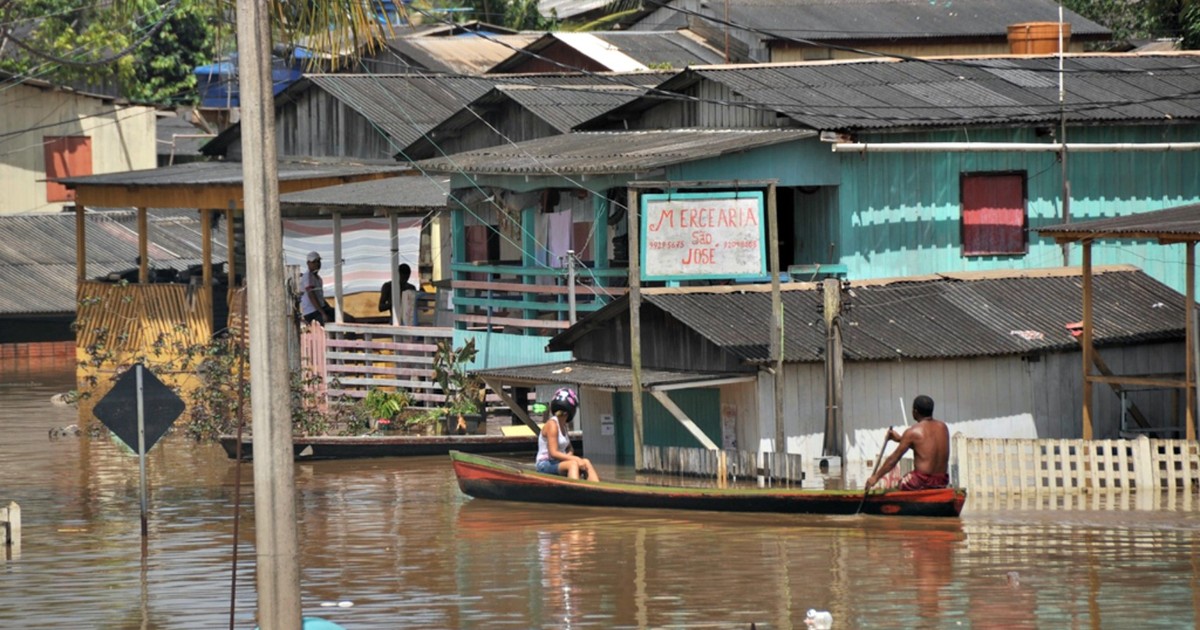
(138, 410)
(719, 235)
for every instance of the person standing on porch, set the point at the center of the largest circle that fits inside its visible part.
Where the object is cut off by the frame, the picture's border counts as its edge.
(408, 298)
(312, 293)
(929, 440)
(554, 455)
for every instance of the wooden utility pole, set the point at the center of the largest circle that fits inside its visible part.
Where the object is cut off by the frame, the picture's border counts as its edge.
(635, 326)
(276, 540)
(832, 293)
(776, 318)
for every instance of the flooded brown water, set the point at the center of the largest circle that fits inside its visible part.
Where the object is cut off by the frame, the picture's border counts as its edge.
(396, 543)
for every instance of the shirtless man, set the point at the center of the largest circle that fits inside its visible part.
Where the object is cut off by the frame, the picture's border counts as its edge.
(929, 440)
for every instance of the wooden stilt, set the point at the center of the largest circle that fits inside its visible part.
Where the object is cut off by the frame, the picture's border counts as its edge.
(1087, 340)
(1190, 341)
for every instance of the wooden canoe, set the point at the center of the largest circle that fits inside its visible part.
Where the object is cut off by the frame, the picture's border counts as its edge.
(354, 447)
(490, 478)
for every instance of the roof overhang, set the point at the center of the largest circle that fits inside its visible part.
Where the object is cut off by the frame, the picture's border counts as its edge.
(607, 377)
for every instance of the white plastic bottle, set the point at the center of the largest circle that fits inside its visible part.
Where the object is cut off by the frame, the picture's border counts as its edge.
(818, 619)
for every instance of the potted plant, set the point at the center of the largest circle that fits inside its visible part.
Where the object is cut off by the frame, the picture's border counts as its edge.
(385, 407)
(464, 392)
(423, 423)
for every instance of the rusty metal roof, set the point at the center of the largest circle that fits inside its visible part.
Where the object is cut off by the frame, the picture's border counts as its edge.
(598, 375)
(957, 315)
(609, 152)
(1172, 224)
(37, 253)
(467, 53)
(392, 195)
(888, 94)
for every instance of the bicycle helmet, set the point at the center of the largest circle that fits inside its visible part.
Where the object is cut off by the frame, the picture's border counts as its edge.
(566, 401)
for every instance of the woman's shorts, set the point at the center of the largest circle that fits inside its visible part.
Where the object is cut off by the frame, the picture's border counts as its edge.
(548, 466)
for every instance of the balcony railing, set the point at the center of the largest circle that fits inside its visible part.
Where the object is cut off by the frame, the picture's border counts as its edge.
(513, 298)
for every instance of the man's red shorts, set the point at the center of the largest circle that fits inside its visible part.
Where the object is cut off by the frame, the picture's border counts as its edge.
(917, 480)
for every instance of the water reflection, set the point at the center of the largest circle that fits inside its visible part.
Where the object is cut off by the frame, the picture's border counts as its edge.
(398, 540)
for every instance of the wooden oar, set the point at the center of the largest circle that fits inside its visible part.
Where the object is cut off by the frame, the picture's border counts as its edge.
(878, 461)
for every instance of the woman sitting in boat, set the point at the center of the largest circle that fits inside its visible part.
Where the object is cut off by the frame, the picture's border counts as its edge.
(554, 444)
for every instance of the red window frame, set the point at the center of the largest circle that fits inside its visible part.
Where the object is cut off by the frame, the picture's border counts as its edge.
(995, 214)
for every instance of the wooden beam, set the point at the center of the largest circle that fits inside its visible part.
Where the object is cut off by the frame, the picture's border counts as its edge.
(683, 419)
(200, 195)
(80, 242)
(338, 315)
(635, 325)
(231, 250)
(1189, 337)
(143, 247)
(517, 410)
(1087, 340)
(1117, 379)
(206, 259)
(776, 344)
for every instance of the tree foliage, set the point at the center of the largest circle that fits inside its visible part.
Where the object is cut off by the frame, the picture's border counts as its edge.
(1144, 19)
(136, 46)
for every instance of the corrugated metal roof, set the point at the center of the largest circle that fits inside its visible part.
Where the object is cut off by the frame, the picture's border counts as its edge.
(654, 49)
(892, 94)
(599, 375)
(623, 51)
(403, 106)
(176, 138)
(469, 53)
(866, 20)
(415, 194)
(37, 253)
(609, 152)
(565, 107)
(566, 9)
(200, 173)
(947, 316)
(562, 101)
(1172, 224)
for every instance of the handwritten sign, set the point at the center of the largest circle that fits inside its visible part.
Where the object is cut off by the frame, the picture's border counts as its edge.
(692, 236)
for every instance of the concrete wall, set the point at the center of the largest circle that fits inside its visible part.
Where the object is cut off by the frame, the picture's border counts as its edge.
(122, 139)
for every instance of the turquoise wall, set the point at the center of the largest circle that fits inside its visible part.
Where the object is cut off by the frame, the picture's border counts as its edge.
(807, 162)
(702, 405)
(496, 350)
(898, 214)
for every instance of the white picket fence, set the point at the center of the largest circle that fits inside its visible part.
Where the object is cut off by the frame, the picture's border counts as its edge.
(1062, 467)
(731, 465)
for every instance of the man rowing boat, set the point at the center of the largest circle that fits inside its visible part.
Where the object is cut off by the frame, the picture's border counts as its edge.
(929, 440)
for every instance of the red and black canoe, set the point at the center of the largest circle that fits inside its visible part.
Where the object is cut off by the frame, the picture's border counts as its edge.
(490, 478)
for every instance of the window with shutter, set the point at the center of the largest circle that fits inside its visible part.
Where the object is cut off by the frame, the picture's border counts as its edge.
(66, 156)
(993, 214)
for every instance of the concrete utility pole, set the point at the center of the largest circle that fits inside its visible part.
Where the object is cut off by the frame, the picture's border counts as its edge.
(276, 540)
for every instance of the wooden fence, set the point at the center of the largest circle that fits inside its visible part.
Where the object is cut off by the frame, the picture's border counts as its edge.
(1015, 466)
(352, 359)
(736, 465)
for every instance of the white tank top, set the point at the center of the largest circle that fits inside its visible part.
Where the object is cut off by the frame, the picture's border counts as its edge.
(564, 441)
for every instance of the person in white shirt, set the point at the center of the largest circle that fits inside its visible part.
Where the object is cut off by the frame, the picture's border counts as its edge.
(312, 293)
